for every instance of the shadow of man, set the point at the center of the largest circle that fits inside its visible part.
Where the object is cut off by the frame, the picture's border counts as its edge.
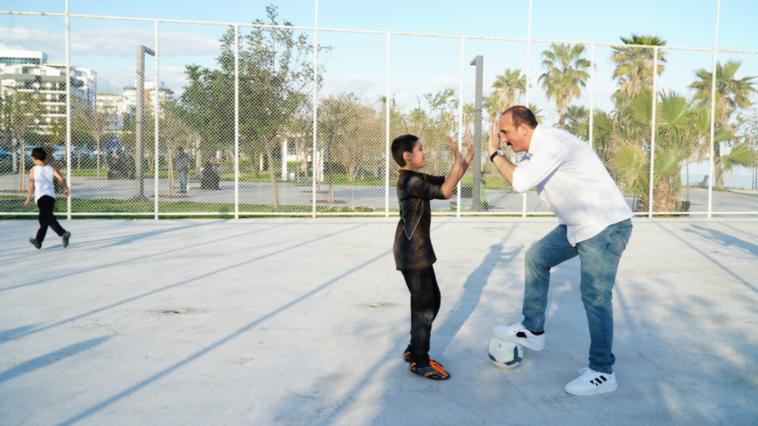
(472, 293)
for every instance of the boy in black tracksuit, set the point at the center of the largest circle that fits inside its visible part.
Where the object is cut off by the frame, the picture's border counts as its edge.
(413, 250)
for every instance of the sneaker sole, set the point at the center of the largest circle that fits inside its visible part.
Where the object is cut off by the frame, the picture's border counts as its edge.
(519, 340)
(605, 388)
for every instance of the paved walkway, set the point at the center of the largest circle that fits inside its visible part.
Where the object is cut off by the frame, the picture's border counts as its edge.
(274, 324)
(300, 194)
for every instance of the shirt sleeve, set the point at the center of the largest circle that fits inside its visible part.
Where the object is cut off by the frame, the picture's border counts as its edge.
(422, 188)
(539, 167)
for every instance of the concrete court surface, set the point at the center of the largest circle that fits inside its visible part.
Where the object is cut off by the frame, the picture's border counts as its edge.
(277, 325)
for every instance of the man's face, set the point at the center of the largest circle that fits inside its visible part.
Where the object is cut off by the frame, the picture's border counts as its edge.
(515, 137)
(416, 158)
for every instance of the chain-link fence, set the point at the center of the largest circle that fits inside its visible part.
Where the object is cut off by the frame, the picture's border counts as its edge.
(251, 127)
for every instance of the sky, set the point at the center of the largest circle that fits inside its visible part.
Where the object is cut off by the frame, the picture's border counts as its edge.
(418, 65)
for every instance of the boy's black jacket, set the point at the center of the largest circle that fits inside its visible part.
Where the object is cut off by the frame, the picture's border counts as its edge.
(413, 247)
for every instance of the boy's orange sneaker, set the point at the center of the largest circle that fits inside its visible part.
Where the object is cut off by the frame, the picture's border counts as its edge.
(407, 357)
(431, 370)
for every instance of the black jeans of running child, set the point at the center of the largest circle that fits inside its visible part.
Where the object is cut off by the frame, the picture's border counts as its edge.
(425, 303)
(46, 204)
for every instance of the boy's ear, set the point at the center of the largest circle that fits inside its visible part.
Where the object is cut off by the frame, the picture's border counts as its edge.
(407, 157)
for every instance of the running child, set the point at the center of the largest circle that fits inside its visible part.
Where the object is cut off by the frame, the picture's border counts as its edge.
(41, 181)
(413, 250)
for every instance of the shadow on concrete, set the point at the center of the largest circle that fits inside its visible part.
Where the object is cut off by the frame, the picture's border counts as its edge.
(13, 332)
(724, 239)
(107, 402)
(709, 258)
(296, 411)
(122, 262)
(181, 283)
(51, 358)
(472, 291)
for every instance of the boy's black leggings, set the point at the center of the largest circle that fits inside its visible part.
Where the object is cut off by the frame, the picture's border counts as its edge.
(425, 303)
(46, 204)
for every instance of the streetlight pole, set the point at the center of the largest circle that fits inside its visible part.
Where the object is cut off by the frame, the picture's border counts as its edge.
(140, 89)
(476, 186)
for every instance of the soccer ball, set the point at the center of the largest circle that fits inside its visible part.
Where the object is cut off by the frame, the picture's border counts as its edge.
(505, 354)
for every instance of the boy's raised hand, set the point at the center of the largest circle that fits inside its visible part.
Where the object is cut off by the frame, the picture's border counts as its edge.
(469, 148)
(454, 147)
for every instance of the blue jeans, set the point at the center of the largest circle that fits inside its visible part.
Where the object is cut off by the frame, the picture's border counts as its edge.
(599, 258)
(182, 181)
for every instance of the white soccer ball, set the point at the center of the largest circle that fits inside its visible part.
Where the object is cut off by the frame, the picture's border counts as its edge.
(505, 354)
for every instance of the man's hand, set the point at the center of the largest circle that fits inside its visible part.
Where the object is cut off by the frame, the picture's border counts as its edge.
(494, 142)
(66, 192)
(454, 147)
(26, 203)
(470, 149)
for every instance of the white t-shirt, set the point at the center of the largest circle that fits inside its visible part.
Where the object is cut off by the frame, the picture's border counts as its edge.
(572, 181)
(43, 182)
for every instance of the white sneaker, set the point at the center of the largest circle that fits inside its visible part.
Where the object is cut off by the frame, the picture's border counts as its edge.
(517, 333)
(591, 383)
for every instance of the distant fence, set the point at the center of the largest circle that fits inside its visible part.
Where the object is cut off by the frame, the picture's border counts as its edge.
(260, 130)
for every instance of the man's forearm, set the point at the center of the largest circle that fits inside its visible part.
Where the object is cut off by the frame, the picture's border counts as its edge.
(505, 167)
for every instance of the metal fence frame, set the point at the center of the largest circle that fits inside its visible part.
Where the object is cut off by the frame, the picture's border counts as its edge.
(458, 213)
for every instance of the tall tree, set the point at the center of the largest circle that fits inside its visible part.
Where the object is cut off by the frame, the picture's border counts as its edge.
(509, 87)
(173, 132)
(275, 82)
(634, 65)
(21, 113)
(731, 94)
(565, 75)
(95, 121)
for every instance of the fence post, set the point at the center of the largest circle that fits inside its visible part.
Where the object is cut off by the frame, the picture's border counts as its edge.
(387, 107)
(68, 115)
(592, 91)
(528, 58)
(712, 161)
(460, 129)
(652, 125)
(236, 123)
(157, 112)
(315, 106)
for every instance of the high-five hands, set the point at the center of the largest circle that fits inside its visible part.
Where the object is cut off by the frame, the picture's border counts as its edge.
(457, 152)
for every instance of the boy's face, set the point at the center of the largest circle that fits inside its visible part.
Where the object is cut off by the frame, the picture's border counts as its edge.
(415, 159)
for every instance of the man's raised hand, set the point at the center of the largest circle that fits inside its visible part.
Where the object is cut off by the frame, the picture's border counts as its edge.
(494, 142)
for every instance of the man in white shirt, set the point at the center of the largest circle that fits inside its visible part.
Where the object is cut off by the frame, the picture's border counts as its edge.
(595, 224)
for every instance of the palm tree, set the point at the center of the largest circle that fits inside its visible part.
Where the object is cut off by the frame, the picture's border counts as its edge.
(731, 94)
(634, 65)
(509, 87)
(565, 75)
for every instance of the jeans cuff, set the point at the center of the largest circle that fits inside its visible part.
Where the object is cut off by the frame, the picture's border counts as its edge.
(599, 369)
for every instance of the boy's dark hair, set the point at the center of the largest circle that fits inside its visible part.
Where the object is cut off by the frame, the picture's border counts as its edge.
(401, 145)
(521, 114)
(39, 154)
